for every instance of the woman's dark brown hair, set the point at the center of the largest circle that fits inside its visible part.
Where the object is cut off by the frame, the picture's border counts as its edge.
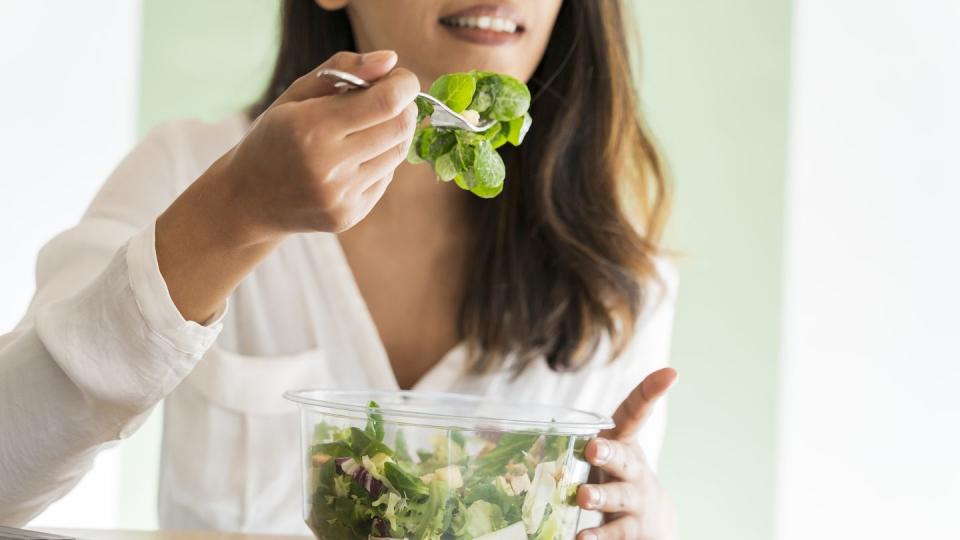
(562, 256)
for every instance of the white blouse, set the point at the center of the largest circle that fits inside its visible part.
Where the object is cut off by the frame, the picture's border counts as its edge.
(102, 344)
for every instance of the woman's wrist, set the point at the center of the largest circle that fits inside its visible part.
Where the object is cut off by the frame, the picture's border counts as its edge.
(225, 215)
(206, 243)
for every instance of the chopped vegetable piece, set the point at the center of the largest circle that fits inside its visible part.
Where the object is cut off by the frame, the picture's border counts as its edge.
(538, 497)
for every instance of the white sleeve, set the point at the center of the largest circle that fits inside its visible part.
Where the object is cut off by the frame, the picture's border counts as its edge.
(101, 344)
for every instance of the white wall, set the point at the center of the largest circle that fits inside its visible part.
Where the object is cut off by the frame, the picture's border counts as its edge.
(870, 425)
(68, 87)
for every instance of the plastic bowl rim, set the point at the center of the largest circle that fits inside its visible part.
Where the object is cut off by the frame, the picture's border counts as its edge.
(601, 422)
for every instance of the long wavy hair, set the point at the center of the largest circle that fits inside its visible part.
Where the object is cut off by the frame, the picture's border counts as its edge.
(561, 258)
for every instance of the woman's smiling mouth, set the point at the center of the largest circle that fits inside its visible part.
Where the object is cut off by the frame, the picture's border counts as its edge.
(484, 24)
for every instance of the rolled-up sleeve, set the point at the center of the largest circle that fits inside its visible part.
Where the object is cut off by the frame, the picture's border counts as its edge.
(101, 344)
(122, 340)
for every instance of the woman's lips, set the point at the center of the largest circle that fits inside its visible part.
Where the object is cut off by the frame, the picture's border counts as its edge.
(480, 36)
(486, 24)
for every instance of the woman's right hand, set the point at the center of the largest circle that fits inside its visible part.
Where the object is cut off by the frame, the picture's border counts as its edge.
(315, 160)
(318, 159)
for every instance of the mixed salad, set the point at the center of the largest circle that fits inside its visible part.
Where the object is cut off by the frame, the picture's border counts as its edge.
(468, 486)
(470, 159)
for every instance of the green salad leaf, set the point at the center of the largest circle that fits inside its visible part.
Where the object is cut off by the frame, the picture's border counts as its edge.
(334, 449)
(374, 428)
(455, 90)
(502, 495)
(508, 448)
(470, 159)
(363, 444)
(401, 451)
(404, 482)
(480, 518)
(366, 483)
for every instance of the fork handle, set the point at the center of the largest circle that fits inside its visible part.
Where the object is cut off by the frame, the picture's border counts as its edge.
(348, 81)
(342, 79)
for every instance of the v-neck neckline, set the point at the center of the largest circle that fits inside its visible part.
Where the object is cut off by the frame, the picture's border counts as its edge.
(365, 336)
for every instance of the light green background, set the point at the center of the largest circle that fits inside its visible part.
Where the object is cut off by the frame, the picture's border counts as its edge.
(204, 59)
(715, 90)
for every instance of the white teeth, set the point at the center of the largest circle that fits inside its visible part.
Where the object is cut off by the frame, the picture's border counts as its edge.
(496, 24)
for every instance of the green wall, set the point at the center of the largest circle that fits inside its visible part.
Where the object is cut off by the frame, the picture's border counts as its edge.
(715, 89)
(204, 59)
(715, 92)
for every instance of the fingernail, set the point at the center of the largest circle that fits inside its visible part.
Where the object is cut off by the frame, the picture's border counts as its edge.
(588, 535)
(377, 56)
(603, 451)
(594, 497)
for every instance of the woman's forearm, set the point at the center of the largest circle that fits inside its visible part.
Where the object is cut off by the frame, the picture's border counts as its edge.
(206, 246)
(316, 160)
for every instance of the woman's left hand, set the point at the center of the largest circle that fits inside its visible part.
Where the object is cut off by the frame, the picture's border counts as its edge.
(624, 487)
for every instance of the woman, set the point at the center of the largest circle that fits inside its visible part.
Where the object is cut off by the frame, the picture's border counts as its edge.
(551, 292)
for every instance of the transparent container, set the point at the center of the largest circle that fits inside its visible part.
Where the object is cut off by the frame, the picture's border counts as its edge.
(416, 466)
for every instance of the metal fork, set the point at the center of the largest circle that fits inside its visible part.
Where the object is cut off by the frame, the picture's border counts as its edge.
(442, 116)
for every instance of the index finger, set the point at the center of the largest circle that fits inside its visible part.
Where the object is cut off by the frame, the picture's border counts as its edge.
(623, 460)
(634, 410)
(363, 109)
(368, 66)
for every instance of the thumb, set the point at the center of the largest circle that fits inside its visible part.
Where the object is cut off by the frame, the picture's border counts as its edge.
(634, 410)
(368, 66)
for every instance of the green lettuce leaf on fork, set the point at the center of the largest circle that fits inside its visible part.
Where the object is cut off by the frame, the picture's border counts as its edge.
(469, 159)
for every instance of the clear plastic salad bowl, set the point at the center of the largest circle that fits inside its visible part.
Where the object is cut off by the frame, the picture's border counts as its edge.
(414, 466)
